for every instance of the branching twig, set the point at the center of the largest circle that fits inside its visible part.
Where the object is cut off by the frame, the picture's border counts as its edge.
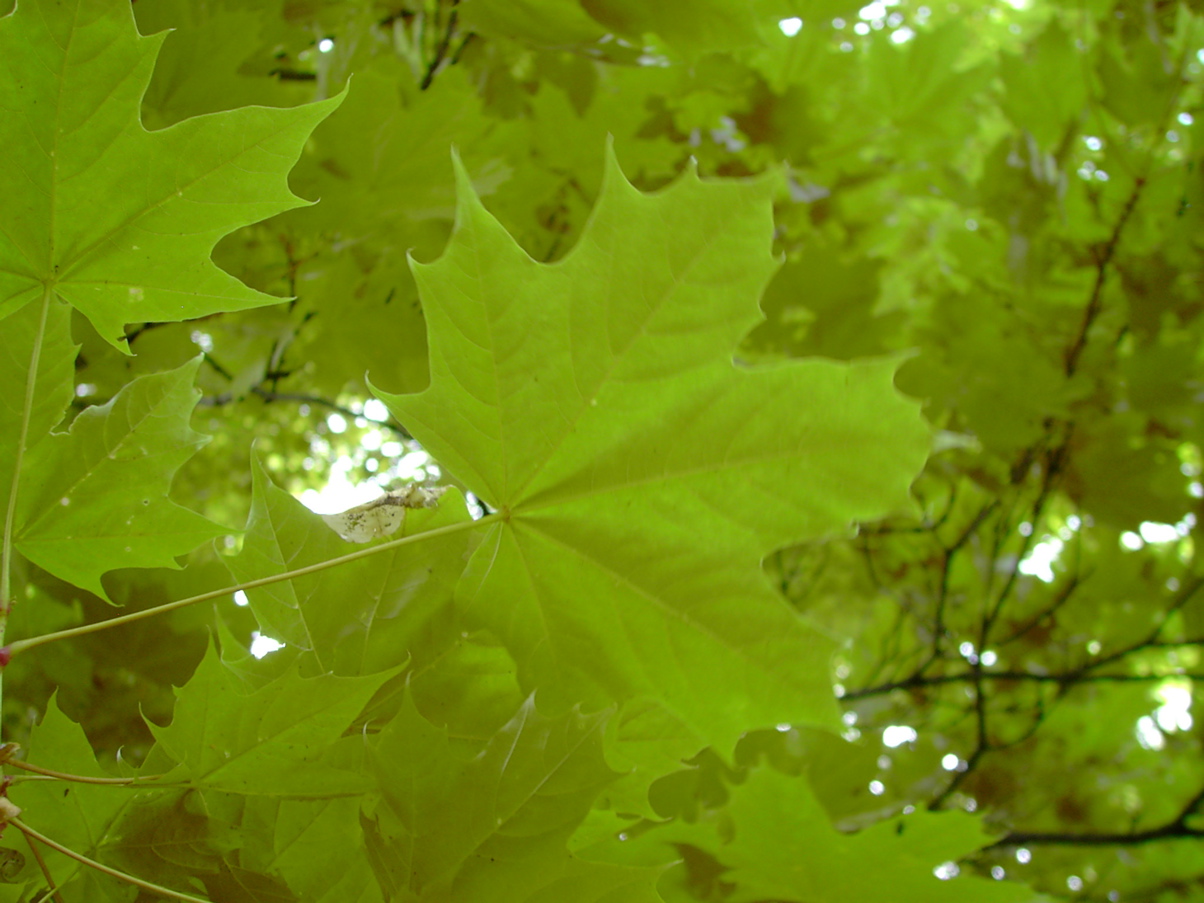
(1175, 829)
(938, 629)
(1063, 679)
(1103, 259)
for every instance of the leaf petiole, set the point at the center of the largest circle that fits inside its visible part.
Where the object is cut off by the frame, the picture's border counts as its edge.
(22, 645)
(92, 863)
(6, 550)
(53, 892)
(78, 778)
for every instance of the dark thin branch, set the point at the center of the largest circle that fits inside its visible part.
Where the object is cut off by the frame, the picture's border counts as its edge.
(1025, 839)
(938, 628)
(982, 744)
(441, 49)
(217, 367)
(1176, 829)
(1082, 674)
(138, 330)
(293, 75)
(1065, 679)
(1151, 641)
(455, 57)
(1103, 259)
(1064, 595)
(217, 401)
(1053, 467)
(885, 529)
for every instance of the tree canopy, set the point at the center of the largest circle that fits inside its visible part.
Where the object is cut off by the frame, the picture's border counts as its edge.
(593, 450)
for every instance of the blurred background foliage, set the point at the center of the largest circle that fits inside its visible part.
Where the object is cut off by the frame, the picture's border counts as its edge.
(1007, 194)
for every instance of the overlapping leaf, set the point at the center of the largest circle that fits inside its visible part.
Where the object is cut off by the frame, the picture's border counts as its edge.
(492, 825)
(116, 220)
(779, 845)
(79, 815)
(94, 499)
(640, 475)
(272, 741)
(364, 616)
(312, 834)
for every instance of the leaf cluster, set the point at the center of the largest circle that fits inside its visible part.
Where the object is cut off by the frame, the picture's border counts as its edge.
(811, 390)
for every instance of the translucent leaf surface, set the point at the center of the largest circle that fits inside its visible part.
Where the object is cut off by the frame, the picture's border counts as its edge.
(493, 825)
(641, 475)
(363, 616)
(80, 816)
(52, 389)
(94, 499)
(116, 220)
(269, 741)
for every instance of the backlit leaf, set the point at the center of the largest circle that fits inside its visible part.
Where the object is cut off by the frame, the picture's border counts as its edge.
(641, 475)
(115, 220)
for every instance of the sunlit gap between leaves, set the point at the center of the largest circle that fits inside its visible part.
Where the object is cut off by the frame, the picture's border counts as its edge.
(876, 16)
(410, 464)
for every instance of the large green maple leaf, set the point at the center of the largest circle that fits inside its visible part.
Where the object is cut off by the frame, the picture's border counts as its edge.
(639, 473)
(116, 220)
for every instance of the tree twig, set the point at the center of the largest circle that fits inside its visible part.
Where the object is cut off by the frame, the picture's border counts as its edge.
(31, 834)
(440, 49)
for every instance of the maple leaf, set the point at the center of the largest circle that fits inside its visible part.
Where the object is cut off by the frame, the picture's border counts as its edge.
(491, 823)
(776, 842)
(271, 740)
(363, 617)
(115, 220)
(52, 386)
(639, 474)
(94, 499)
(80, 815)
